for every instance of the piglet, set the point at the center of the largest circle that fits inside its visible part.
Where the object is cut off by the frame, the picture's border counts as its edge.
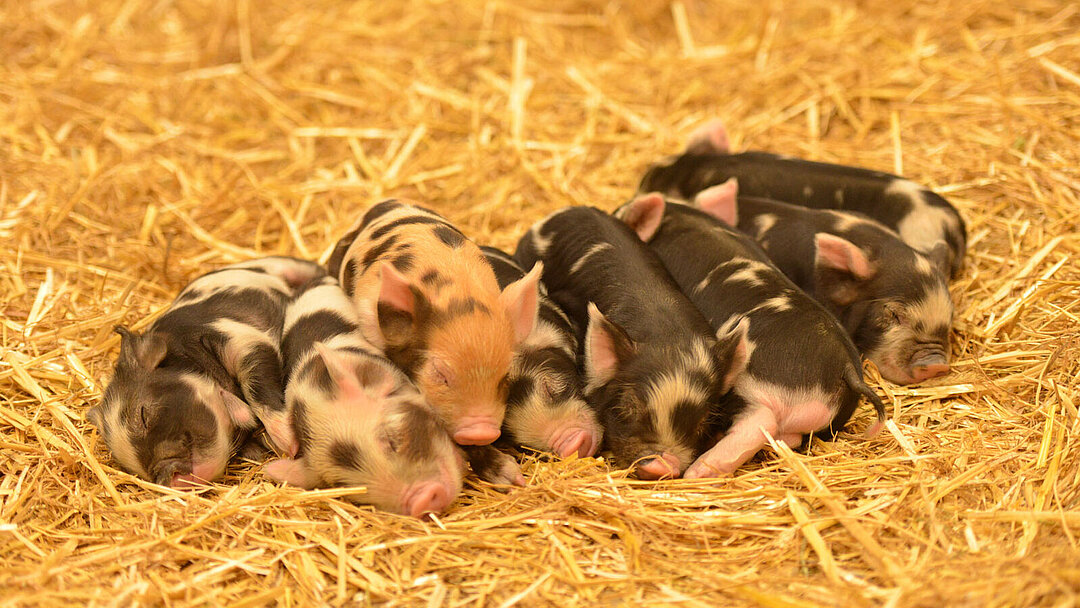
(924, 220)
(803, 374)
(890, 298)
(186, 392)
(653, 367)
(430, 300)
(359, 420)
(545, 409)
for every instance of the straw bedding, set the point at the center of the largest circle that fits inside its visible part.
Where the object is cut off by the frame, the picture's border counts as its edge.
(143, 142)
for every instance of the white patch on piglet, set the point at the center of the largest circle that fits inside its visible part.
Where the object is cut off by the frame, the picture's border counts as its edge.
(584, 260)
(923, 227)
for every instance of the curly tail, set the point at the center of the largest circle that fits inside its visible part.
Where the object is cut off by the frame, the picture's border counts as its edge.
(854, 380)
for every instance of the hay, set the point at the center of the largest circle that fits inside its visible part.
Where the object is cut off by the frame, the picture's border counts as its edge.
(142, 143)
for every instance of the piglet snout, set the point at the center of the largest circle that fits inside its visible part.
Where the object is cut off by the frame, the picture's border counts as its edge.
(666, 466)
(928, 366)
(426, 497)
(477, 432)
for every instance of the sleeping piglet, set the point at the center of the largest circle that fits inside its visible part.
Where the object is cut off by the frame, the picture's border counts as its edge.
(803, 375)
(890, 298)
(430, 301)
(924, 219)
(359, 420)
(186, 392)
(653, 367)
(545, 409)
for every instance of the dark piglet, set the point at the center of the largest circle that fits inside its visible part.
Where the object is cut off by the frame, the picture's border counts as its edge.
(803, 374)
(359, 420)
(923, 219)
(892, 301)
(653, 367)
(186, 392)
(545, 407)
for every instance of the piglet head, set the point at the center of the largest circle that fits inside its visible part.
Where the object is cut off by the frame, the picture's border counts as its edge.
(898, 312)
(654, 402)
(380, 434)
(164, 424)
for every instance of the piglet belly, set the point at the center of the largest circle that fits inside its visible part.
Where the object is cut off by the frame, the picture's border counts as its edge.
(797, 411)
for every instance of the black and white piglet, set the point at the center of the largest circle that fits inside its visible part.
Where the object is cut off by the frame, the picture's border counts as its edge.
(892, 301)
(186, 391)
(545, 406)
(358, 419)
(654, 368)
(923, 219)
(803, 375)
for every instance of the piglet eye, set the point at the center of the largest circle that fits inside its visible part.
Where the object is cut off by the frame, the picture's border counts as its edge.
(144, 416)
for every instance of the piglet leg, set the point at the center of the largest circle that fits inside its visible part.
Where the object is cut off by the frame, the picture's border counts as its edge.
(260, 375)
(742, 441)
(494, 466)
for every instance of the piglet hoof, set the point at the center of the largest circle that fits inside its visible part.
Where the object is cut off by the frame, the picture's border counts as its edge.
(572, 440)
(493, 466)
(667, 466)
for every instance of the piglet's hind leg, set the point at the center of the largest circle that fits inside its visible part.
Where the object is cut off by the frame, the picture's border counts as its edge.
(259, 374)
(741, 442)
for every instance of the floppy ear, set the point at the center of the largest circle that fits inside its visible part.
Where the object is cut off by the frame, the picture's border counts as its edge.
(238, 410)
(144, 352)
(395, 310)
(849, 264)
(96, 417)
(709, 138)
(721, 201)
(644, 214)
(522, 300)
(607, 346)
(346, 384)
(732, 351)
(939, 256)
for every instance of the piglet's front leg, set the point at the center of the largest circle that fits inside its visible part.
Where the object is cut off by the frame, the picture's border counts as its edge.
(745, 437)
(493, 466)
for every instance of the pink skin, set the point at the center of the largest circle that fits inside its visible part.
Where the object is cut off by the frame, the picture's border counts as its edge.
(710, 137)
(928, 371)
(476, 431)
(747, 436)
(200, 475)
(426, 497)
(280, 429)
(569, 440)
(721, 201)
(667, 466)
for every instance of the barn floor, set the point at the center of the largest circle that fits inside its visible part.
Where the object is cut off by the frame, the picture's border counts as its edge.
(143, 142)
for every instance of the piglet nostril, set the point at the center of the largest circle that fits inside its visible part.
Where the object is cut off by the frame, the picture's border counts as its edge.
(430, 497)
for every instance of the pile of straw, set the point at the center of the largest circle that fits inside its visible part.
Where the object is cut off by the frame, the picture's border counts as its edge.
(143, 142)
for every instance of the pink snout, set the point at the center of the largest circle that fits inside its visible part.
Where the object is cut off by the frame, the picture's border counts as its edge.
(928, 368)
(426, 497)
(480, 432)
(667, 466)
(567, 441)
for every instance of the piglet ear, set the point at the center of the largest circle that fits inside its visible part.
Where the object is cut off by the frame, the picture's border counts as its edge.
(939, 257)
(96, 417)
(346, 384)
(721, 201)
(644, 214)
(732, 350)
(294, 472)
(522, 300)
(144, 352)
(837, 253)
(607, 346)
(239, 411)
(395, 311)
(395, 291)
(709, 138)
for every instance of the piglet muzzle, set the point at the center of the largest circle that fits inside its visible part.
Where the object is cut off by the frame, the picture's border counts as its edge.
(477, 431)
(928, 363)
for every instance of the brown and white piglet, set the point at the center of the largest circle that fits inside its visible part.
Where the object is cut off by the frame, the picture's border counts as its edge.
(358, 419)
(430, 301)
(891, 299)
(186, 392)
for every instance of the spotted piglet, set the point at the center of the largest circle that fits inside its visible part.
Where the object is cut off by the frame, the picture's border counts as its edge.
(890, 298)
(803, 375)
(654, 368)
(188, 390)
(924, 219)
(545, 409)
(430, 300)
(359, 420)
